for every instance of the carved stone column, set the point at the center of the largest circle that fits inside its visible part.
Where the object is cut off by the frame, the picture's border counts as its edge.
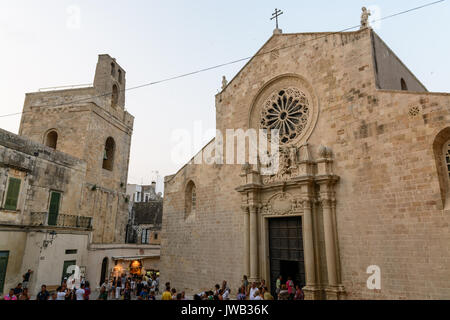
(311, 291)
(246, 240)
(330, 246)
(334, 291)
(254, 263)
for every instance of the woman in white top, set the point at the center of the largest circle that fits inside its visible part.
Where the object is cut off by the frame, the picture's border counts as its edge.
(61, 294)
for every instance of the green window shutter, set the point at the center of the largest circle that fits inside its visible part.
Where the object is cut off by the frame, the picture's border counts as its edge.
(12, 195)
(53, 210)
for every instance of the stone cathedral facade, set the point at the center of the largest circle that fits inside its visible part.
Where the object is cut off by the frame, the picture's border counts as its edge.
(363, 179)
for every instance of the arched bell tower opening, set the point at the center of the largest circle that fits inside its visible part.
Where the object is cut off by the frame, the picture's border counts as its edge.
(108, 154)
(51, 139)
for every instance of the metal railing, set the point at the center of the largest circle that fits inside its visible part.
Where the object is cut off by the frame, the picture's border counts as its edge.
(61, 220)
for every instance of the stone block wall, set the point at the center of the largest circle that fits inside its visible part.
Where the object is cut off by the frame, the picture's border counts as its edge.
(389, 210)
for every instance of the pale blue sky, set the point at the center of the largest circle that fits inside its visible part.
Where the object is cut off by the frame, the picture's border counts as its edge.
(157, 39)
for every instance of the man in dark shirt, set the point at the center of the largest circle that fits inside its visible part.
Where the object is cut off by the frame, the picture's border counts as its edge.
(18, 290)
(26, 278)
(139, 287)
(43, 295)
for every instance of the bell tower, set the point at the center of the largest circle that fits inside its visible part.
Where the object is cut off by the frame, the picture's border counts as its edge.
(110, 81)
(90, 123)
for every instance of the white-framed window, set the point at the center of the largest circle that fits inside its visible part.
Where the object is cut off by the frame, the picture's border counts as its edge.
(145, 236)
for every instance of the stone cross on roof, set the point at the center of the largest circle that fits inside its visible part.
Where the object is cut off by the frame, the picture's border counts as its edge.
(275, 16)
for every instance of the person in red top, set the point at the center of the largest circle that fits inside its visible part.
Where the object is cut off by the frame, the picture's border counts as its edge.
(87, 290)
(290, 287)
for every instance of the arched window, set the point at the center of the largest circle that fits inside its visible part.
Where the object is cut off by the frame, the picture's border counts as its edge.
(115, 96)
(191, 198)
(113, 69)
(108, 154)
(441, 149)
(403, 84)
(120, 76)
(51, 139)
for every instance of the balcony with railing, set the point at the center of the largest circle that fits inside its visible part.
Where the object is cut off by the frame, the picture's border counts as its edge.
(43, 219)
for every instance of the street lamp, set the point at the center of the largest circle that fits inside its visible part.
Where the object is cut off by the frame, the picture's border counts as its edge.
(47, 242)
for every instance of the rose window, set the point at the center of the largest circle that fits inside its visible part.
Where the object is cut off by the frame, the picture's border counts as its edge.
(288, 111)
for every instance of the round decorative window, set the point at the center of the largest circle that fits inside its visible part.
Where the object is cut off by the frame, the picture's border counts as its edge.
(288, 111)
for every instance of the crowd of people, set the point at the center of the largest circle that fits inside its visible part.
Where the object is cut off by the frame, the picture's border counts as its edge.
(147, 288)
(63, 292)
(247, 291)
(131, 287)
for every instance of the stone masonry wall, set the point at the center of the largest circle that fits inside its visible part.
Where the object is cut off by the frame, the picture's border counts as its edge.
(389, 203)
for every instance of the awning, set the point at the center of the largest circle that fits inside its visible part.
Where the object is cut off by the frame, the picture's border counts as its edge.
(132, 258)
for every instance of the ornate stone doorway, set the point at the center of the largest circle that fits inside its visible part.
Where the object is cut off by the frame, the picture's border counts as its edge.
(302, 190)
(286, 251)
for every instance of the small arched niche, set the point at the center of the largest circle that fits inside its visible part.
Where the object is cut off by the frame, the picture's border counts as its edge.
(51, 139)
(403, 84)
(108, 154)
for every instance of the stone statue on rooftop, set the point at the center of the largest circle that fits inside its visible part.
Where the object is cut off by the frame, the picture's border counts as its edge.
(365, 18)
(224, 82)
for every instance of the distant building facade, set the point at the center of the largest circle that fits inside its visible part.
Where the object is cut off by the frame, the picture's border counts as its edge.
(63, 184)
(145, 214)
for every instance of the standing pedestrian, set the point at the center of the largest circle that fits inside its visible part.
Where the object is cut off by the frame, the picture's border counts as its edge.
(266, 294)
(166, 294)
(290, 288)
(245, 283)
(87, 290)
(43, 295)
(127, 292)
(118, 288)
(61, 294)
(278, 285)
(80, 293)
(241, 293)
(26, 278)
(253, 290)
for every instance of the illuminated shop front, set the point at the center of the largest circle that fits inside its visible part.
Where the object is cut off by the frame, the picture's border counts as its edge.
(135, 265)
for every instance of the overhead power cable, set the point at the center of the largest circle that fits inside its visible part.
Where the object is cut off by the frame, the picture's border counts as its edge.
(324, 35)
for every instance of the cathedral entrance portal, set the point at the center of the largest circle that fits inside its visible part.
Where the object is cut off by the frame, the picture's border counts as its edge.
(286, 251)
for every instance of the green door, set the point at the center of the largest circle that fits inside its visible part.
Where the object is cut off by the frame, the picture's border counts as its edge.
(66, 265)
(3, 264)
(53, 210)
